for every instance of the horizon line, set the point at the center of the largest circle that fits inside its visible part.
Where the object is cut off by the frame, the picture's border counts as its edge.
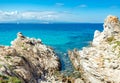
(52, 23)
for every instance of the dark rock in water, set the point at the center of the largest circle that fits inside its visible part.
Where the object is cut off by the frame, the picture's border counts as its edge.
(28, 59)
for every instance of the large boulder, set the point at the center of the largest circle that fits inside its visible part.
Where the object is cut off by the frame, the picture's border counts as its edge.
(28, 59)
(100, 62)
(111, 28)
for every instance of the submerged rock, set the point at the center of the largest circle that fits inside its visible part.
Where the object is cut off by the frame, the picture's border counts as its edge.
(100, 63)
(28, 59)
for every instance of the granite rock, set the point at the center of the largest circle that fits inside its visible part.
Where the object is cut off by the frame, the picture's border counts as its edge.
(28, 59)
(100, 62)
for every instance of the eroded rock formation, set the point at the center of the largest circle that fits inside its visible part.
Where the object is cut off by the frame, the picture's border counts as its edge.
(100, 63)
(28, 59)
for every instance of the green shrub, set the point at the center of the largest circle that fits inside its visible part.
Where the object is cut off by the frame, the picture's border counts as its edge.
(8, 79)
(118, 43)
(14, 80)
(7, 57)
(110, 39)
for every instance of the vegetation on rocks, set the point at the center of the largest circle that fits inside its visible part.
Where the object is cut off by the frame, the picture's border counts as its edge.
(100, 63)
(9, 79)
(110, 39)
(28, 59)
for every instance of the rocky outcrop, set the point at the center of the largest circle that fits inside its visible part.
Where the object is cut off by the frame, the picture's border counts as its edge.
(111, 28)
(100, 63)
(28, 59)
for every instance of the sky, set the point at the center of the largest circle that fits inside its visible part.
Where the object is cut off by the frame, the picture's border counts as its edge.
(49, 11)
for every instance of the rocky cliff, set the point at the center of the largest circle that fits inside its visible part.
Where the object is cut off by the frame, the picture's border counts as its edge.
(28, 59)
(100, 62)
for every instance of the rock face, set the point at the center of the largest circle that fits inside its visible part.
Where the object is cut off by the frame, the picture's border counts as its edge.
(111, 27)
(100, 63)
(28, 59)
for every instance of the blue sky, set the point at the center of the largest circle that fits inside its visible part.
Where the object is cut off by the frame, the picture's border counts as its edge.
(94, 11)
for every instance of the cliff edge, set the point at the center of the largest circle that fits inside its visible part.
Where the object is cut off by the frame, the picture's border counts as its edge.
(100, 62)
(28, 59)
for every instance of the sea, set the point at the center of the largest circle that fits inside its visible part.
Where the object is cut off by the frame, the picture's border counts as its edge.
(60, 36)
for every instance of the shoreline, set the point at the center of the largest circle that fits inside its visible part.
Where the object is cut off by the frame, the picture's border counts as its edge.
(93, 63)
(99, 63)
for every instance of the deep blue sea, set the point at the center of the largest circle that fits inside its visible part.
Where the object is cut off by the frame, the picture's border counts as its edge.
(61, 37)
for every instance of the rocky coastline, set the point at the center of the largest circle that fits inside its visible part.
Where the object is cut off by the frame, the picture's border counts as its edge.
(28, 60)
(100, 62)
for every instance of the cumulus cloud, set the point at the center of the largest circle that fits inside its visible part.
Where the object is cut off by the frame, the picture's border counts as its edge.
(45, 15)
(82, 6)
(11, 16)
(38, 16)
(28, 15)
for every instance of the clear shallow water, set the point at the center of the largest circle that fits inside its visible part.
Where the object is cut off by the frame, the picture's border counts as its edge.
(61, 37)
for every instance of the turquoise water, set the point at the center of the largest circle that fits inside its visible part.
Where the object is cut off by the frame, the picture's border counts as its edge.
(61, 37)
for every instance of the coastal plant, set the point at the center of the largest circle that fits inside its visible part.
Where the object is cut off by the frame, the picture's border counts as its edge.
(9, 79)
(57, 73)
(117, 43)
(23, 47)
(119, 54)
(67, 76)
(110, 39)
(14, 80)
(1, 65)
(74, 74)
(7, 57)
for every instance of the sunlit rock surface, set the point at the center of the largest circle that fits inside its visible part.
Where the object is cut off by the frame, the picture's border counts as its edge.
(100, 62)
(28, 59)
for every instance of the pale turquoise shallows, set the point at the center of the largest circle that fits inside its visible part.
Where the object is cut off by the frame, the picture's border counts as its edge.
(61, 37)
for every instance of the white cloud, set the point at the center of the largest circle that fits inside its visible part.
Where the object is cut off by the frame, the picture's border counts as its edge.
(82, 6)
(39, 16)
(27, 15)
(4, 16)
